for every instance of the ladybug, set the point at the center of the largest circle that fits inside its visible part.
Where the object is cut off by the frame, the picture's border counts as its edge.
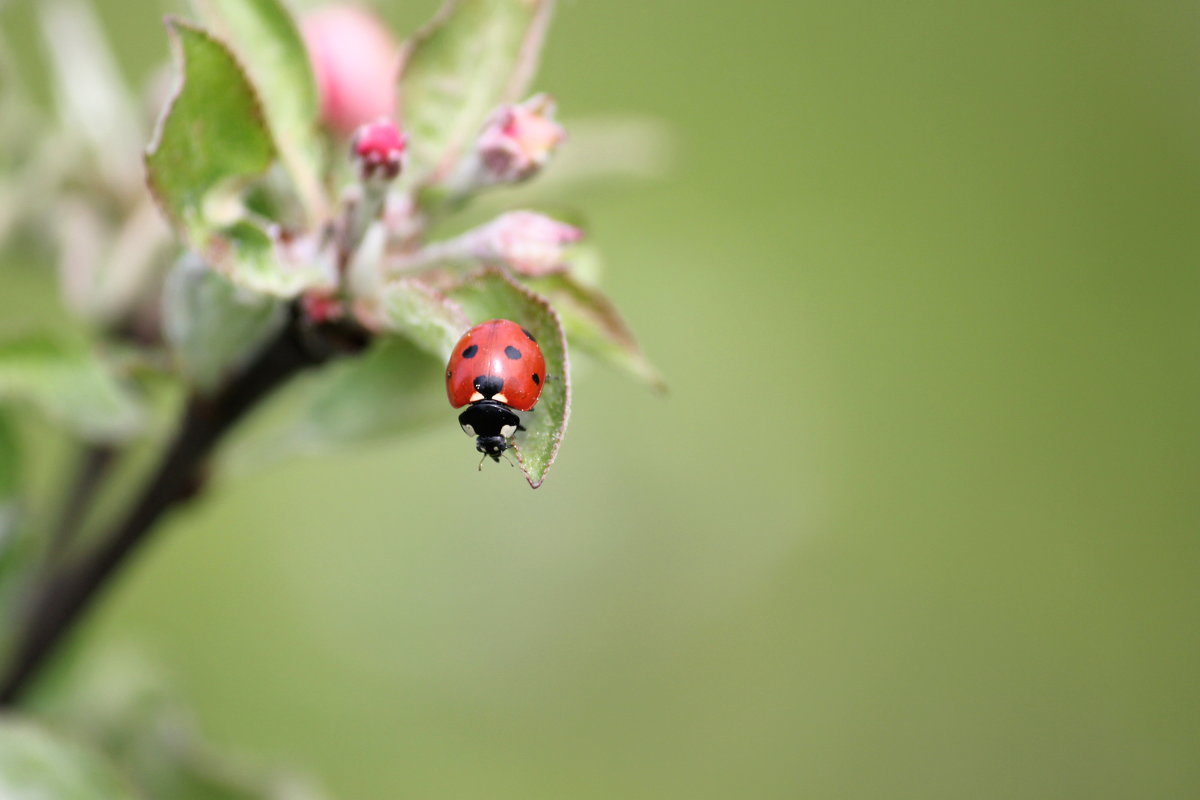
(496, 367)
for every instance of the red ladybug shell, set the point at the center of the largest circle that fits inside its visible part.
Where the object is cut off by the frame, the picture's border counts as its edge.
(498, 360)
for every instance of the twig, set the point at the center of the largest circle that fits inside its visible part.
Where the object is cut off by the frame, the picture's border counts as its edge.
(93, 466)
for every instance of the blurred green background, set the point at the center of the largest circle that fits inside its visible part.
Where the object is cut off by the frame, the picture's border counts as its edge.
(919, 517)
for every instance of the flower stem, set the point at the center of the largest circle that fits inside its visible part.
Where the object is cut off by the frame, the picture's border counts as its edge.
(66, 595)
(94, 464)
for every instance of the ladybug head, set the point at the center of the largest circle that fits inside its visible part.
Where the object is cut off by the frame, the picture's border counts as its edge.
(491, 446)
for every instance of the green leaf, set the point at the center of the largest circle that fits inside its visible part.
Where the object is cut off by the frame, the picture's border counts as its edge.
(493, 295)
(93, 99)
(212, 137)
(71, 384)
(213, 325)
(249, 256)
(594, 326)
(393, 389)
(105, 271)
(127, 707)
(34, 763)
(268, 44)
(473, 57)
(389, 391)
(424, 315)
(212, 141)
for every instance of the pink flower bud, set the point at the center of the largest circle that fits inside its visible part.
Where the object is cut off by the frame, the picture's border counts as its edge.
(517, 141)
(354, 59)
(321, 306)
(379, 147)
(529, 243)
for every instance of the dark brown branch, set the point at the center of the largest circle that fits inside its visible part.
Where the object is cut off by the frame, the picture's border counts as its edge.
(94, 463)
(67, 594)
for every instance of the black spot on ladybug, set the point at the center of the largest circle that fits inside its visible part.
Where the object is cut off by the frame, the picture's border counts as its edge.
(512, 352)
(529, 335)
(488, 385)
(470, 351)
(536, 379)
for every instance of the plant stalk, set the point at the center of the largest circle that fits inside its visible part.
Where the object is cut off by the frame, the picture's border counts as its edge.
(94, 464)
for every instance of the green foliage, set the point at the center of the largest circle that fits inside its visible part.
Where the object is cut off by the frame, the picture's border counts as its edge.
(494, 295)
(70, 383)
(35, 763)
(120, 701)
(325, 285)
(211, 324)
(476, 55)
(391, 390)
(267, 43)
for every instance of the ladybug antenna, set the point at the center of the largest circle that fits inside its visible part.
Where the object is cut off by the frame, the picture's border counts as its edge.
(511, 463)
(480, 467)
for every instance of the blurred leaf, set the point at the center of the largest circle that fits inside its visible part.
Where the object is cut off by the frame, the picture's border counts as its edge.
(248, 255)
(388, 391)
(93, 99)
(393, 389)
(474, 56)
(594, 326)
(424, 315)
(103, 273)
(36, 764)
(493, 295)
(267, 42)
(212, 136)
(122, 703)
(70, 383)
(25, 160)
(212, 324)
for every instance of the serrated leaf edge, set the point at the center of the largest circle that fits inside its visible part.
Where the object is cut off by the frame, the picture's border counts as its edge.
(173, 24)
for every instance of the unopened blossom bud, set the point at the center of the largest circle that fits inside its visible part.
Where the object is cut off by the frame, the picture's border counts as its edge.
(517, 141)
(321, 306)
(354, 59)
(378, 147)
(528, 243)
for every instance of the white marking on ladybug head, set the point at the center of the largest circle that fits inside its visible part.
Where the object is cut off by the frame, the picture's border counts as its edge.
(508, 430)
(476, 397)
(499, 397)
(468, 430)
